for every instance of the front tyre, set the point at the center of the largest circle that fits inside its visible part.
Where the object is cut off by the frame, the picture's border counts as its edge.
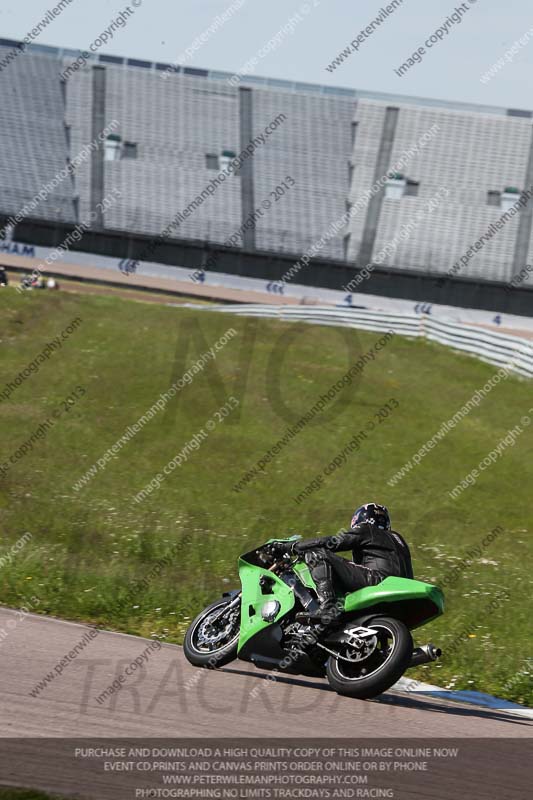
(367, 671)
(212, 637)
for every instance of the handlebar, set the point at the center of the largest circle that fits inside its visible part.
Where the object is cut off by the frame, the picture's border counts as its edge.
(272, 555)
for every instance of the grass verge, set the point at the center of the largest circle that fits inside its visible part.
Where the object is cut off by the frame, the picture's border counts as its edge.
(84, 550)
(8, 793)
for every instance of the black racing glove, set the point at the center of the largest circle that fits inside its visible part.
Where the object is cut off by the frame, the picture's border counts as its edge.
(280, 548)
(301, 547)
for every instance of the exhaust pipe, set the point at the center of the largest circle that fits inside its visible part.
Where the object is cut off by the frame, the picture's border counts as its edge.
(424, 654)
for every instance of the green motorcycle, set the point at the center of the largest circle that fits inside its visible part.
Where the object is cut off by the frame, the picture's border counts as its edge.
(363, 647)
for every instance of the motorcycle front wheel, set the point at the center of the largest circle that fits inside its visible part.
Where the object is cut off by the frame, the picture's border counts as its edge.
(212, 637)
(374, 668)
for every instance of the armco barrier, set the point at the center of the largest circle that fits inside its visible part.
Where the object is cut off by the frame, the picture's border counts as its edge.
(490, 346)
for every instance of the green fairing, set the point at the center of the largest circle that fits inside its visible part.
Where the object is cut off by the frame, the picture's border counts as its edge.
(305, 575)
(408, 592)
(253, 598)
(413, 601)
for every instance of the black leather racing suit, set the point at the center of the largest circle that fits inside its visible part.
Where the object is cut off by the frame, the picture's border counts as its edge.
(376, 554)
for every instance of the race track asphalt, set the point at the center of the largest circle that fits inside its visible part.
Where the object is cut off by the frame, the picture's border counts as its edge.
(168, 697)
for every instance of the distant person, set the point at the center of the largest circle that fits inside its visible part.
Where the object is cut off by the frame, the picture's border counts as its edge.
(51, 283)
(3, 277)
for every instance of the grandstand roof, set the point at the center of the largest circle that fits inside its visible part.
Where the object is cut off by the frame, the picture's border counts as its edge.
(270, 83)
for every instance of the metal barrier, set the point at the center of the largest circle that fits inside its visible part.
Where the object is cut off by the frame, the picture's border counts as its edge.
(490, 346)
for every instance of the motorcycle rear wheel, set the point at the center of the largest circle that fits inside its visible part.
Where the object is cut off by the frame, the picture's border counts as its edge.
(369, 677)
(214, 644)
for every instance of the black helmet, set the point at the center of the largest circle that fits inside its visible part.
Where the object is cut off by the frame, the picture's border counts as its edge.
(374, 513)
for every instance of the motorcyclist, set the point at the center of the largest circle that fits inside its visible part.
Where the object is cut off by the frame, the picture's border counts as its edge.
(377, 552)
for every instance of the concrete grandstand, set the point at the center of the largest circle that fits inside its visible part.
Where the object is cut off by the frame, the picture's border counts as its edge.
(368, 163)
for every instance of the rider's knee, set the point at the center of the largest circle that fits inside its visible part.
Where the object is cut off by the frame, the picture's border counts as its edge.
(315, 556)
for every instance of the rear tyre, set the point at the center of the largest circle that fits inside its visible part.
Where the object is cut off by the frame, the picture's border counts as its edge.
(213, 636)
(367, 675)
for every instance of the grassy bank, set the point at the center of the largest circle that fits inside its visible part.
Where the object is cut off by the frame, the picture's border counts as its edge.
(26, 794)
(85, 551)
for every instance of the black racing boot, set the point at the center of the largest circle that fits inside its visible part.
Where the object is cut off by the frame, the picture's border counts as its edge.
(326, 611)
